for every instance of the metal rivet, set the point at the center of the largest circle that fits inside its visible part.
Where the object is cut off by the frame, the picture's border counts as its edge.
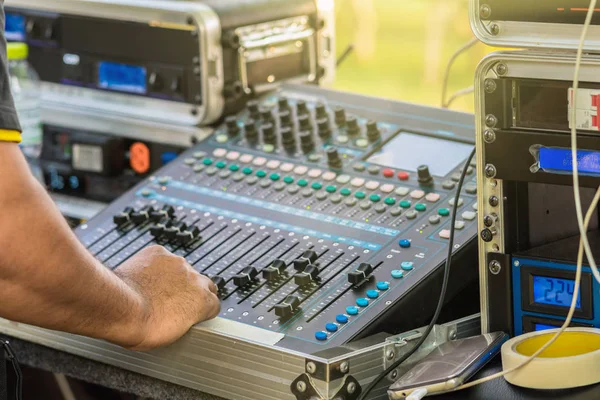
(390, 355)
(495, 267)
(494, 201)
(487, 235)
(496, 248)
(394, 374)
(494, 29)
(344, 367)
(491, 120)
(490, 85)
(489, 136)
(351, 388)
(485, 11)
(490, 171)
(488, 220)
(501, 69)
(301, 386)
(311, 367)
(452, 335)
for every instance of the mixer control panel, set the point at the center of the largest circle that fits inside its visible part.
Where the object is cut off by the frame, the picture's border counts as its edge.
(316, 213)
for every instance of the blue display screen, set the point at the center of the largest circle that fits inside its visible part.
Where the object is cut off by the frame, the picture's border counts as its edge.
(559, 159)
(122, 77)
(544, 327)
(554, 291)
(15, 27)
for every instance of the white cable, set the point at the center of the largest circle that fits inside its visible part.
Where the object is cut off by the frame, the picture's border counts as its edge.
(576, 189)
(458, 94)
(583, 224)
(453, 58)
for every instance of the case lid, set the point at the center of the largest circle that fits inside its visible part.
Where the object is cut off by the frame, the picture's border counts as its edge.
(552, 24)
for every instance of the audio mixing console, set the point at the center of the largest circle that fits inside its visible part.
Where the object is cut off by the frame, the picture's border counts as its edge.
(320, 215)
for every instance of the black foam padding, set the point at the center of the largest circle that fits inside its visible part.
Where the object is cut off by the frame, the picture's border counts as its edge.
(3, 382)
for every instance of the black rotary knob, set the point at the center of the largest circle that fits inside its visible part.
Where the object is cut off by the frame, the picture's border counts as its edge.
(246, 276)
(323, 128)
(307, 142)
(301, 108)
(253, 109)
(353, 127)
(266, 114)
(287, 307)
(219, 282)
(268, 133)
(288, 139)
(423, 175)
(251, 131)
(321, 110)
(305, 122)
(283, 103)
(333, 158)
(274, 271)
(373, 131)
(285, 118)
(340, 116)
(232, 125)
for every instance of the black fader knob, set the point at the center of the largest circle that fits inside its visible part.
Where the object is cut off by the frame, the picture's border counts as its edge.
(171, 232)
(187, 236)
(340, 116)
(301, 108)
(143, 215)
(268, 133)
(158, 230)
(253, 109)
(305, 122)
(232, 125)
(266, 114)
(123, 217)
(308, 276)
(307, 142)
(333, 158)
(246, 276)
(274, 271)
(287, 307)
(353, 127)
(323, 128)
(219, 282)
(424, 177)
(166, 211)
(360, 274)
(321, 110)
(285, 118)
(307, 258)
(283, 103)
(251, 131)
(373, 132)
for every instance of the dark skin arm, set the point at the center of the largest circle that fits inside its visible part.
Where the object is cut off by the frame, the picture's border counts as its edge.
(48, 279)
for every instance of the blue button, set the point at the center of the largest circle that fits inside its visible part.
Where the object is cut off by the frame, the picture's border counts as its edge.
(321, 336)
(167, 157)
(331, 327)
(341, 318)
(404, 243)
(352, 310)
(407, 266)
(383, 285)
(362, 302)
(397, 274)
(372, 294)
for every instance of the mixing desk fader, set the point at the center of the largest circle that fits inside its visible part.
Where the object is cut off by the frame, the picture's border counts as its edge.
(320, 215)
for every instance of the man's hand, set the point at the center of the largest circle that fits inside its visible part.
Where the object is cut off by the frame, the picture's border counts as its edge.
(173, 296)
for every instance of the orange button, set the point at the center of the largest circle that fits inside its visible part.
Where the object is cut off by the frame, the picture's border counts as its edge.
(139, 157)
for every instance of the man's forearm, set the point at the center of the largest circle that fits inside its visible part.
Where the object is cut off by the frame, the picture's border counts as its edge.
(47, 278)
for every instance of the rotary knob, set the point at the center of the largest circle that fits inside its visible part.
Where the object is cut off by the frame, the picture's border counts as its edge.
(301, 108)
(340, 116)
(287, 138)
(268, 133)
(305, 122)
(424, 176)
(266, 114)
(283, 103)
(323, 128)
(232, 125)
(352, 126)
(307, 142)
(373, 131)
(251, 131)
(253, 109)
(321, 110)
(333, 158)
(285, 118)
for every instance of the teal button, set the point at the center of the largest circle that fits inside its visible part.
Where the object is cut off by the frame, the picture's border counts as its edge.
(407, 266)
(390, 201)
(360, 195)
(247, 171)
(234, 167)
(317, 186)
(261, 174)
(397, 274)
(362, 302)
(302, 182)
(288, 179)
(375, 198)
(372, 294)
(330, 189)
(444, 212)
(207, 161)
(345, 192)
(274, 177)
(405, 204)
(420, 207)
(221, 164)
(352, 310)
(383, 286)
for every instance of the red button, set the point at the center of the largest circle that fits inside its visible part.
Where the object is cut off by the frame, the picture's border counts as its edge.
(403, 176)
(388, 173)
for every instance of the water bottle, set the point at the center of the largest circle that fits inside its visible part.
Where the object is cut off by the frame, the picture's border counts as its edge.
(26, 91)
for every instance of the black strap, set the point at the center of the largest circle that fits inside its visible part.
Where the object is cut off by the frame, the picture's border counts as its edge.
(3, 379)
(12, 357)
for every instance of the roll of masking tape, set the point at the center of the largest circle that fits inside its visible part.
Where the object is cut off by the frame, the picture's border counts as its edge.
(573, 360)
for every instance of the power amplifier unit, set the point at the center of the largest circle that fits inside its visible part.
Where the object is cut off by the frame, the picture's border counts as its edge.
(529, 234)
(323, 218)
(532, 24)
(182, 62)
